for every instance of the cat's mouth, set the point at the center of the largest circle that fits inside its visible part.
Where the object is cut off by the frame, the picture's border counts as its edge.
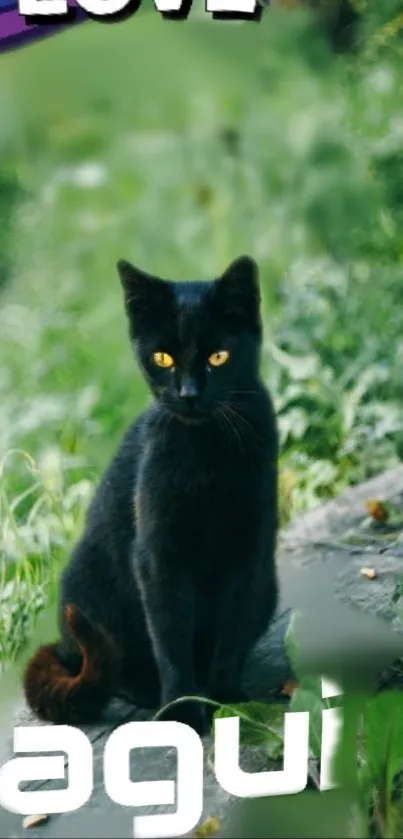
(189, 419)
(189, 412)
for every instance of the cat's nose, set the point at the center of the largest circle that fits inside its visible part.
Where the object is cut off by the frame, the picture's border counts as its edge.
(188, 391)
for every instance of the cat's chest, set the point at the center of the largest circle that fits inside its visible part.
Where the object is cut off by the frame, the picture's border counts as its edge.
(189, 468)
(201, 499)
(198, 474)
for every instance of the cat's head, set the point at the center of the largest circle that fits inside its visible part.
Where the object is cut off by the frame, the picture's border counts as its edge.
(197, 342)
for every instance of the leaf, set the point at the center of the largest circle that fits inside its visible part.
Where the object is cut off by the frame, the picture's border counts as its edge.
(294, 424)
(370, 573)
(261, 725)
(312, 684)
(308, 697)
(209, 827)
(398, 591)
(298, 367)
(383, 738)
(274, 747)
(34, 821)
(395, 514)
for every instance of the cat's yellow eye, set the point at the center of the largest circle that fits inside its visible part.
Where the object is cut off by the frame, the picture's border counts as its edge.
(162, 359)
(218, 358)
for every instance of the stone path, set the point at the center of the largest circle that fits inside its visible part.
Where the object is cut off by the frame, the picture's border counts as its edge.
(350, 630)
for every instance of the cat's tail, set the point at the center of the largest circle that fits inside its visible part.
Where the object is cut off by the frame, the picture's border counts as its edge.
(54, 694)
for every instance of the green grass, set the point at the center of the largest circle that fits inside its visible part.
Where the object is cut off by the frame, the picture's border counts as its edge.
(181, 146)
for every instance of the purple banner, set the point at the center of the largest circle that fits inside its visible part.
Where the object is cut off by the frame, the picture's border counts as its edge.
(15, 31)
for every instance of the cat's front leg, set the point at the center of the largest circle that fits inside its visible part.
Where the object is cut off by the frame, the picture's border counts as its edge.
(168, 602)
(246, 606)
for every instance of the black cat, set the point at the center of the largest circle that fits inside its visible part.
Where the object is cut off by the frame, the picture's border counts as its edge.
(174, 578)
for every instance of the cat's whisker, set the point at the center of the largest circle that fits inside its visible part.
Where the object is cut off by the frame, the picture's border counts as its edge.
(223, 422)
(246, 427)
(234, 430)
(226, 415)
(239, 418)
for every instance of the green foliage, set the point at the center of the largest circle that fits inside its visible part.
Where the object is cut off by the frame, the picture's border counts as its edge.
(36, 527)
(383, 758)
(371, 749)
(308, 697)
(263, 724)
(369, 756)
(260, 725)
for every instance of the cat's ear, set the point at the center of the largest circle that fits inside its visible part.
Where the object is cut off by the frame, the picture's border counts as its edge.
(237, 290)
(143, 293)
(138, 286)
(242, 277)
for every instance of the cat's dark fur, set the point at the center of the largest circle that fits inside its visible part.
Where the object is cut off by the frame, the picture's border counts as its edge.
(174, 578)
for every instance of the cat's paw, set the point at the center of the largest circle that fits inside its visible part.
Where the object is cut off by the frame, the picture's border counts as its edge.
(190, 713)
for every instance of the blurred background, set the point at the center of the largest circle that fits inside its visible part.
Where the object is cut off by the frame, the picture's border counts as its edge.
(179, 146)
